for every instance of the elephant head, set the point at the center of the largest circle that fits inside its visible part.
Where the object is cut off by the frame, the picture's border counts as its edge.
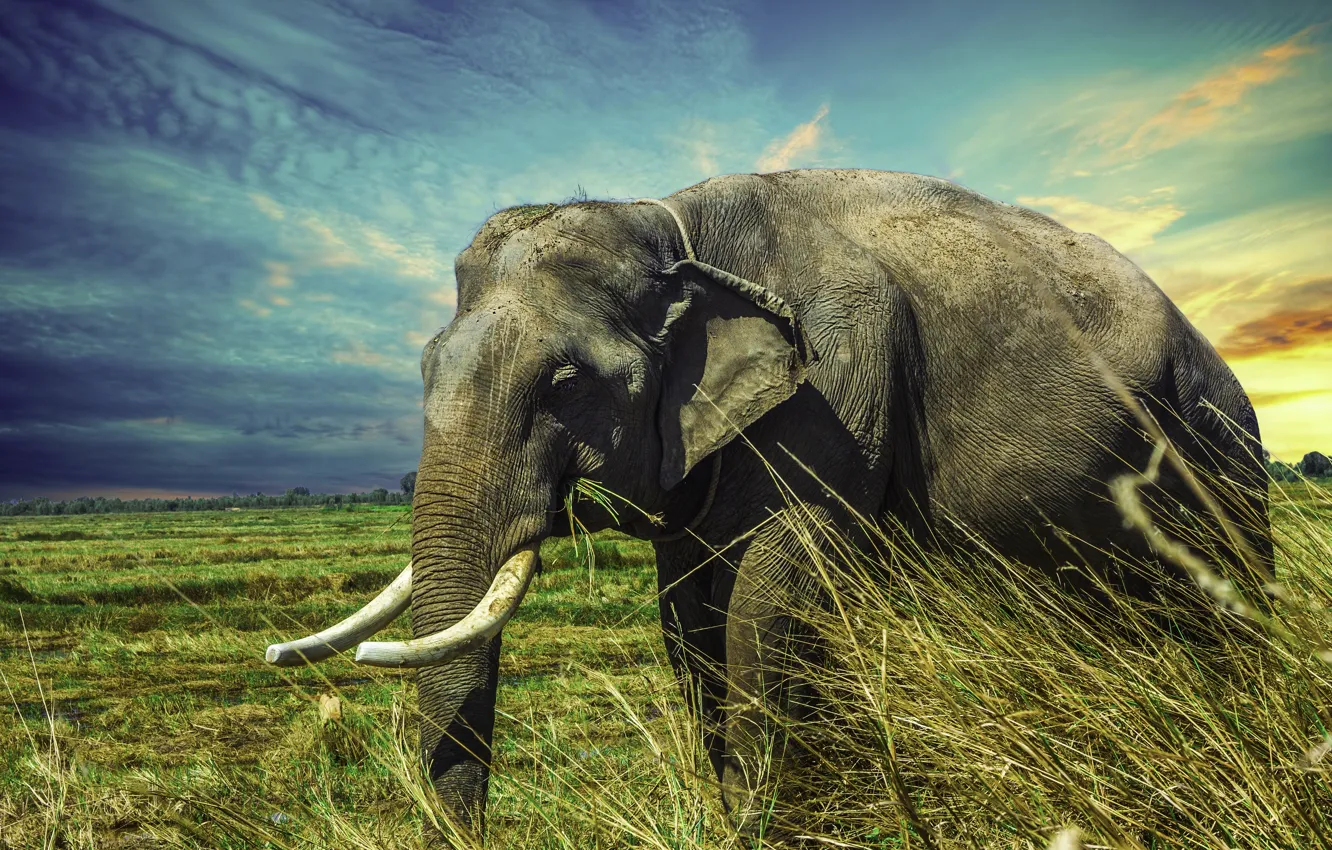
(589, 341)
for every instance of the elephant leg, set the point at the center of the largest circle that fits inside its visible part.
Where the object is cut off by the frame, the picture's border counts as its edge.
(695, 633)
(1191, 612)
(764, 641)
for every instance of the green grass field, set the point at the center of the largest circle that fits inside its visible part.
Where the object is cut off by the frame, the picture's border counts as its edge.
(137, 711)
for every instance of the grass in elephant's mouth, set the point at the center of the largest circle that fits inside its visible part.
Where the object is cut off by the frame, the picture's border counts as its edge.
(972, 711)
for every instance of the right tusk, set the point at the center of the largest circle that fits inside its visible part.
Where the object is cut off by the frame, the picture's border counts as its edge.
(483, 623)
(377, 614)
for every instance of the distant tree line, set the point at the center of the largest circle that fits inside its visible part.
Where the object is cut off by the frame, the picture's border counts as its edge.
(296, 497)
(1313, 465)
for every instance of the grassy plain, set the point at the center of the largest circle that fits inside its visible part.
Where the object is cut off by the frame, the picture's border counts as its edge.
(980, 711)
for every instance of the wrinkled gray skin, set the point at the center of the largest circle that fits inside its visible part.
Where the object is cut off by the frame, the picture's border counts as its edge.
(942, 386)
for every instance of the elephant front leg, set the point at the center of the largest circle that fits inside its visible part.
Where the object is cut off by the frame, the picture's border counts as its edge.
(765, 646)
(695, 633)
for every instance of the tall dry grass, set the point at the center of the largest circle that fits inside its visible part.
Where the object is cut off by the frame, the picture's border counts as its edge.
(956, 704)
(952, 702)
(974, 704)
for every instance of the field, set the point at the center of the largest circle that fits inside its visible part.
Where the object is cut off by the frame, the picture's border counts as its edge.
(137, 710)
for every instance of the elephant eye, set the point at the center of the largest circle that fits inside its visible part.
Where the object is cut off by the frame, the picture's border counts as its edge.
(565, 377)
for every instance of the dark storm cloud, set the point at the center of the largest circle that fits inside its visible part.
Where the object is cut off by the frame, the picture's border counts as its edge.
(85, 391)
(227, 227)
(132, 247)
(166, 457)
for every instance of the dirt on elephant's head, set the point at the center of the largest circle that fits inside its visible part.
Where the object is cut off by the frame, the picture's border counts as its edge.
(505, 223)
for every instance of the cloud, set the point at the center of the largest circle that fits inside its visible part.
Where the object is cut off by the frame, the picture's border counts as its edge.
(701, 144)
(318, 240)
(360, 354)
(1236, 270)
(1201, 106)
(1278, 331)
(704, 154)
(444, 296)
(419, 261)
(1272, 399)
(256, 309)
(800, 142)
(268, 198)
(330, 249)
(1291, 389)
(1132, 225)
(77, 426)
(1202, 296)
(268, 206)
(1172, 123)
(1304, 319)
(279, 274)
(1118, 124)
(61, 461)
(1289, 236)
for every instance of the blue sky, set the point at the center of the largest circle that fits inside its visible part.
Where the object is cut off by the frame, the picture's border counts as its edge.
(227, 228)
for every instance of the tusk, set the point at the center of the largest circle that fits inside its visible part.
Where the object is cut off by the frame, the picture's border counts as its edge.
(483, 623)
(377, 614)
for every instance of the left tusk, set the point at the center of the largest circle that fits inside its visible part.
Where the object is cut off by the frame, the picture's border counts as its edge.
(377, 614)
(485, 621)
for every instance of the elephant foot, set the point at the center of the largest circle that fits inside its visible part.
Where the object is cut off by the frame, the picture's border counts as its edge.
(748, 804)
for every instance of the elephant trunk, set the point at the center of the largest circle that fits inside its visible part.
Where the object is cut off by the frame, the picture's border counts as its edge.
(473, 553)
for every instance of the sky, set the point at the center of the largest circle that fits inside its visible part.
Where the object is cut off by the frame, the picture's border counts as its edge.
(227, 227)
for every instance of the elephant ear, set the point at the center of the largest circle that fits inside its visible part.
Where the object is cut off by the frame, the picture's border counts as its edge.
(730, 362)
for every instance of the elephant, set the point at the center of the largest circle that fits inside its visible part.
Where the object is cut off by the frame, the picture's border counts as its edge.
(883, 344)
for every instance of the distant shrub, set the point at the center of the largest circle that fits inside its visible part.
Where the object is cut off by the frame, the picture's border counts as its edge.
(1312, 465)
(1279, 471)
(1316, 465)
(67, 534)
